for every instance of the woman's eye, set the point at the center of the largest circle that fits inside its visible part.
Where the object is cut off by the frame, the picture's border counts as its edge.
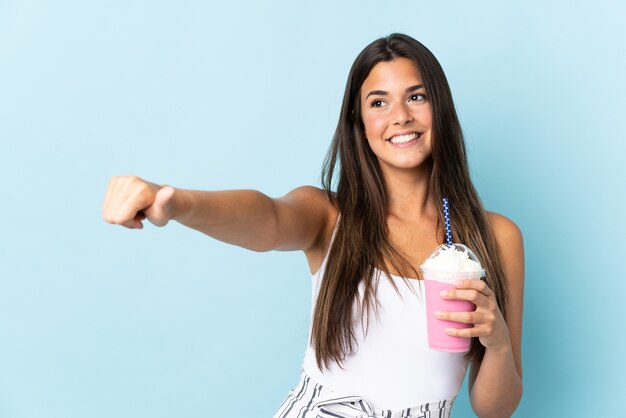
(418, 96)
(377, 103)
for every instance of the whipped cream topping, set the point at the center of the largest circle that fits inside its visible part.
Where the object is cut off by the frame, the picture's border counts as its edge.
(455, 259)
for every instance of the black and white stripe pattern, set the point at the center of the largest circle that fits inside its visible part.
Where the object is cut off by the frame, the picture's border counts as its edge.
(311, 400)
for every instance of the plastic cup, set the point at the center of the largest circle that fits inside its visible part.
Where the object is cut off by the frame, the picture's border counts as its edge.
(435, 281)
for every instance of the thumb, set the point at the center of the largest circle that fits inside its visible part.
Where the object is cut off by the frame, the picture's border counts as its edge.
(159, 212)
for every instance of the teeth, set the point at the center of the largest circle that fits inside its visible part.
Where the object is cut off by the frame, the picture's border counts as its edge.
(404, 138)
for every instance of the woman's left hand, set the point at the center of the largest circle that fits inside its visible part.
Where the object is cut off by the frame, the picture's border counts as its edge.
(489, 324)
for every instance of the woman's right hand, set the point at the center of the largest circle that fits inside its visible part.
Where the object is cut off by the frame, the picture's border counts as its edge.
(130, 199)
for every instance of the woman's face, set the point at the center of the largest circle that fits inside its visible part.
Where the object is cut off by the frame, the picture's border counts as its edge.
(397, 115)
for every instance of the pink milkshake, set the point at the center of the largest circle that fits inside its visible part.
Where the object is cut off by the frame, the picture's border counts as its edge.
(447, 264)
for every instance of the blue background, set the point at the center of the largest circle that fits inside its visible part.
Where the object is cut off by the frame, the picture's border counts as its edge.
(100, 321)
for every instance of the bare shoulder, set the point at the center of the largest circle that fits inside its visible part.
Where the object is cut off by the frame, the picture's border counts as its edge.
(309, 194)
(312, 201)
(510, 243)
(306, 217)
(504, 229)
(316, 216)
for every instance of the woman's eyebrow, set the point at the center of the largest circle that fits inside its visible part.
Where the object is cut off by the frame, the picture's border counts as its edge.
(384, 93)
(413, 88)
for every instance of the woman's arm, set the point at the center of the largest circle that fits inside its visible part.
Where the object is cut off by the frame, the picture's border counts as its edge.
(495, 385)
(247, 218)
(250, 219)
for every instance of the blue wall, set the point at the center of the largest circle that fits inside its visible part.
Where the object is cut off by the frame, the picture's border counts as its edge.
(100, 321)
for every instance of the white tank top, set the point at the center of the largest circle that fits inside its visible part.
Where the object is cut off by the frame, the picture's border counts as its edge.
(392, 366)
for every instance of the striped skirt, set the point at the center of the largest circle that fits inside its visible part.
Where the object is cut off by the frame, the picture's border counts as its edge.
(311, 400)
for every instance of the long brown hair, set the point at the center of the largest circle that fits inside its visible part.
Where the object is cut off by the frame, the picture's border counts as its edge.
(361, 242)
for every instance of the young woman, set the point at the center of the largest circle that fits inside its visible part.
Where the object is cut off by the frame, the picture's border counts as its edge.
(397, 151)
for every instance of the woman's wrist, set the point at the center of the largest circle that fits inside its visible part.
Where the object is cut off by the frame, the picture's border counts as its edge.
(181, 204)
(500, 349)
(502, 344)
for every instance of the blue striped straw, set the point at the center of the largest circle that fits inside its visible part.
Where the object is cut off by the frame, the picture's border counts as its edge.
(446, 216)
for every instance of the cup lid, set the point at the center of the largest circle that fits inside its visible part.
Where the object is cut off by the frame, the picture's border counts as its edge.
(456, 258)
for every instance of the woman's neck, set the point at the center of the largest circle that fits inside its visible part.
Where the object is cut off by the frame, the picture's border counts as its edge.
(409, 193)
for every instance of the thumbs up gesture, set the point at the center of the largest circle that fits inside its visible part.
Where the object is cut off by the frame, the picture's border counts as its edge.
(129, 200)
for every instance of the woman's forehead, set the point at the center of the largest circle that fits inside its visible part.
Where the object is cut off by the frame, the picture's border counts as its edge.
(392, 75)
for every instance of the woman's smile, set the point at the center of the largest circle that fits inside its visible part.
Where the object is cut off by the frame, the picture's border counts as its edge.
(403, 140)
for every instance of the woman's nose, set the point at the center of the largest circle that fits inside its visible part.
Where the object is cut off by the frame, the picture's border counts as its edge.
(401, 114)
